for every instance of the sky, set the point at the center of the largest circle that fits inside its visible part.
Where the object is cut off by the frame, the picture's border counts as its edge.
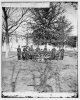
(72, 16)
(71, 13)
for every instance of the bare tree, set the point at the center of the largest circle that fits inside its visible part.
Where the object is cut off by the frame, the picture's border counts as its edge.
(12, 19)
(27, 32)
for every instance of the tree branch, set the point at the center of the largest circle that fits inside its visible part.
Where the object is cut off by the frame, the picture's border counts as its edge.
(21, 18)
(12, 12)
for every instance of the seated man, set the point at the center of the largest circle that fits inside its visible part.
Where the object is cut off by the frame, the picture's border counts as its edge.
(37, 49)
(19, 52)
(31, 48)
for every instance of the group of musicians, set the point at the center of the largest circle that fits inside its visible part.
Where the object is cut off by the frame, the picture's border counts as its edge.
(30, 53)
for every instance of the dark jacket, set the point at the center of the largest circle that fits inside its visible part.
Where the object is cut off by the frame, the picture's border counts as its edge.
(18, 51)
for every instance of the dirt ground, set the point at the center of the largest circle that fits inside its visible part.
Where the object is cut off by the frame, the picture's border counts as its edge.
(22, 72)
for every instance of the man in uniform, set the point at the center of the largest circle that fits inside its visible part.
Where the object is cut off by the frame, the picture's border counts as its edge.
(45, 51)
(61, 54)
(53, 53)
(27, 53)
(31, 51)
(24, 49)
(38, 50)
(24, 53)
(19, 52)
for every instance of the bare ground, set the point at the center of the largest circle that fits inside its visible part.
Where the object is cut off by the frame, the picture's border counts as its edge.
(64, 74)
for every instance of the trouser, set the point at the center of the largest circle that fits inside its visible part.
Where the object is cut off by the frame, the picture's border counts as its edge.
(31, 57)
(27, 56)
(19, 57)
(53, 56)
(23, 58)
(62, 56)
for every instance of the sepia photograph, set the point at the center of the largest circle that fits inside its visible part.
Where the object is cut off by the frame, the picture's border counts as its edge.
(39, 49)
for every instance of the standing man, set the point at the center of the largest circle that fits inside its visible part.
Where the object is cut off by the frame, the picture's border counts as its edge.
(37, 51)
(61, 54)
(45, 51)
(24, 54)
(53, 53)
(19, 52)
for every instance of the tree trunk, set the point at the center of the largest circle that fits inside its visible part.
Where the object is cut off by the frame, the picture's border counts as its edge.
(38, 45)
(27, 40)
(7, 46)
(7, 51)
(6, 31)
(7, 40)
